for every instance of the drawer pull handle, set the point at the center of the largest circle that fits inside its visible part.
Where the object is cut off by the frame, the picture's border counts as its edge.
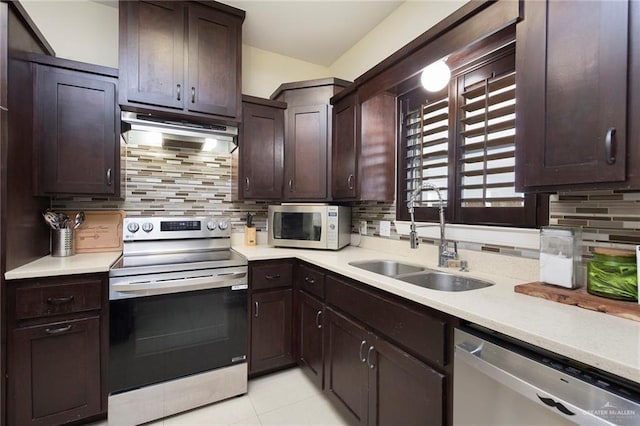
(318, 323)
(109, 179)
(272, 277)
(310, 280)
(290, 185)
(350, 182)
(193, 95)
(246, 183)
(60, 300)
(58, 330)
(179, 92)
(610, 145)
(362, 358)
(255, 305)
(369, 363)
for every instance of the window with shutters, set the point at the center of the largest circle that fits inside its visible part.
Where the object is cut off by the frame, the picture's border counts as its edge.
(463, 141)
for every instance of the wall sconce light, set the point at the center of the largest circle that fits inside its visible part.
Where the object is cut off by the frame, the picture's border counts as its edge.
(435, 76)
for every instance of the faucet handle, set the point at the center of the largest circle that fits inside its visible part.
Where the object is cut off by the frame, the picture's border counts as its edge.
(464, 266)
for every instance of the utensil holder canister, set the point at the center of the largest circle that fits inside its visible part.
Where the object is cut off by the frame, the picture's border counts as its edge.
(62, 242)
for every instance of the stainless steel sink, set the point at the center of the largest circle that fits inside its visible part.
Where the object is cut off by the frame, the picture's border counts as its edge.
(443, 281)
(390, 268)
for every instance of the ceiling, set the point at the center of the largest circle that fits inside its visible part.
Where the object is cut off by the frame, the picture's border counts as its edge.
(316, 31)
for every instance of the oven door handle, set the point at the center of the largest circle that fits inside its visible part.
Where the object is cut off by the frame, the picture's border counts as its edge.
(182, 284)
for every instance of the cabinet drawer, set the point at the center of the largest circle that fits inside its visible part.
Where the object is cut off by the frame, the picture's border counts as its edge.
(271, 275)
(311, 281)
(42, 300)
(417, 331)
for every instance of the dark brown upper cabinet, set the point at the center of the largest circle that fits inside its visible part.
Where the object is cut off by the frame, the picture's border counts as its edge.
(261, 147)
(363, 144)
(76, 129)
(575, 76)
(307, 153)
(182, 58)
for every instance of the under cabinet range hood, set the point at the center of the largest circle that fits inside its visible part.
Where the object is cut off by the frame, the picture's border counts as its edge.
(147, 129)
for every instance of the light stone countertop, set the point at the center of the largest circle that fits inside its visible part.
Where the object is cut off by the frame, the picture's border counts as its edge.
(48, 266)
(600, 340)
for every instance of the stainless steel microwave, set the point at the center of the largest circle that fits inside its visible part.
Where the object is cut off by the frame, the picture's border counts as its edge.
(315, 226)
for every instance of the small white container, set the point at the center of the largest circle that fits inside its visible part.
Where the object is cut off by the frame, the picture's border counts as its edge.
(560, 256)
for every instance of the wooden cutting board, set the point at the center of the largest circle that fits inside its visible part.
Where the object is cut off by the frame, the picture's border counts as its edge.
(100, 231)
(580, 297)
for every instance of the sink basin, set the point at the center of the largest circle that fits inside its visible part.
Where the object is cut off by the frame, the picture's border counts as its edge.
(390, 268)
(444, 282)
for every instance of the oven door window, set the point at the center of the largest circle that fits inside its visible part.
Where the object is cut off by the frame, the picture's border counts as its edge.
(298, 226)
(158, 338)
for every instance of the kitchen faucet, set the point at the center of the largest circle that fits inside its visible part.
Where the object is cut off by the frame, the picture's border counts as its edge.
(443, 251)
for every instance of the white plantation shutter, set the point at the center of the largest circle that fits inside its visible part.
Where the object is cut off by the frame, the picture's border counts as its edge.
(487, 144)
(427, 156)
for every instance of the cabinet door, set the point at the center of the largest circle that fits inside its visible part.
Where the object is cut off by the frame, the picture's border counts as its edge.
(262, 152)
(76, 133)
(310, 355)
(152, 52)
(571, 109)
(306, 152)
(347, 345)
(402, 389)
(214, 62)
(55, 372)
(344, 149)
(271, 320)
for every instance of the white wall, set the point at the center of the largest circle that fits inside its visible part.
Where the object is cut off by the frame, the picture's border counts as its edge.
(80, 30)
(406, 23)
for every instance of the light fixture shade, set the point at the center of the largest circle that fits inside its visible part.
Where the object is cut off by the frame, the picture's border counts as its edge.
(435, 77)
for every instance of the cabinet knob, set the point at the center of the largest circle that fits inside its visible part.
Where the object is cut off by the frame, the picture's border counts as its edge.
(109, 177)
(179, 91)
(610, 145)
(193, 95)
(350, 181)
(318, 323)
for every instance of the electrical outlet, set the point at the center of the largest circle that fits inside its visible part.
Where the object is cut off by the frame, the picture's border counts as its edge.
(385, 228)
(363, 227)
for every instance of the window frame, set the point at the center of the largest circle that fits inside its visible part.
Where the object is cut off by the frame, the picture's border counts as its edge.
(536, 206)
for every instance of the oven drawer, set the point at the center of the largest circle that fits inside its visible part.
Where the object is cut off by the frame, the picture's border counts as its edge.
(43, 298)
(271, 274)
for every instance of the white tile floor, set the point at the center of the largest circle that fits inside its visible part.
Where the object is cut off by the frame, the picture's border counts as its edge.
(283, 398)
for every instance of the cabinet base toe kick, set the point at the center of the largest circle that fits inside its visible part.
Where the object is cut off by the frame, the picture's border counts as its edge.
(172, 397)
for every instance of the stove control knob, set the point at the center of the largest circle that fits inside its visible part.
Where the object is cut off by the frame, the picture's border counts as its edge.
(147, 227)
(223, 225)
(133, 227)
(211, 225)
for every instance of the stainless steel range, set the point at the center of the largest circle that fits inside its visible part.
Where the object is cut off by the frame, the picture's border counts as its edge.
(178, 318)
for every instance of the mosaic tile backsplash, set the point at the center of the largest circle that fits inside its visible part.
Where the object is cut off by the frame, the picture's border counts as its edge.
(175, 181)
(179, 181)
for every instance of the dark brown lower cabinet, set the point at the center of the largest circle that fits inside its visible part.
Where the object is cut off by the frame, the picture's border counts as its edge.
(373, 382)
(310, 351)
(271, 336)
(346, 371)
(56, 372)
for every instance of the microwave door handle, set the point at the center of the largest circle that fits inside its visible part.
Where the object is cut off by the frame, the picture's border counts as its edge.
(182, 284)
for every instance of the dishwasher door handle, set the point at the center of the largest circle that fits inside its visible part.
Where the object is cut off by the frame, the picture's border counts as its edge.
(472, 356)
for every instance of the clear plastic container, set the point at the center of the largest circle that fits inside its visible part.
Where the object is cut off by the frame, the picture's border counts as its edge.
(560, 256)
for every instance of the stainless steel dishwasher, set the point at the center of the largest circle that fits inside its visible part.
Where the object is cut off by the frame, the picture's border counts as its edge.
(500, 381)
